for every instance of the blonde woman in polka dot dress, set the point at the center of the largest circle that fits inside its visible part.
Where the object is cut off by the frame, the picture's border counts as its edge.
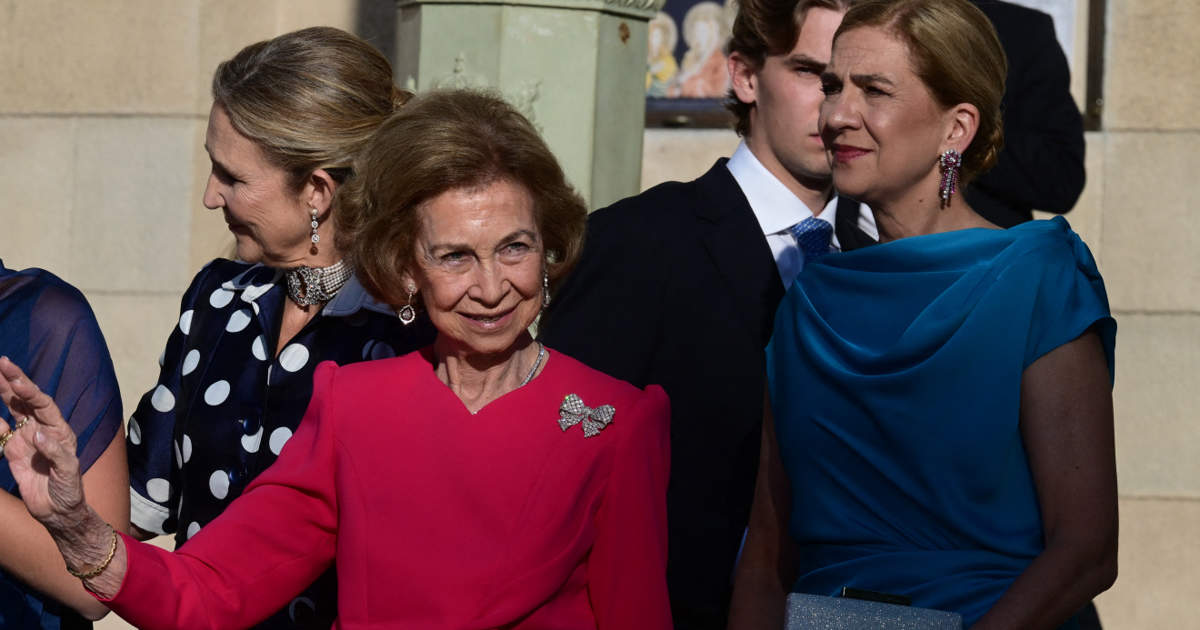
(237, 371)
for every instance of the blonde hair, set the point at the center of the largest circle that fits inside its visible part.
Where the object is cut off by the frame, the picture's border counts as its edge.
(957, 55)
(441, 141)
(310, 99)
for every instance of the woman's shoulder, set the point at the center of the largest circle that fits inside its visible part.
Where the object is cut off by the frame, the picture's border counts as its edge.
(595, 388)
(370, 376)
(1049, 243)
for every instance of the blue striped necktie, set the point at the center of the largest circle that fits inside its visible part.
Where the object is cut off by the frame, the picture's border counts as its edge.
(813, 236)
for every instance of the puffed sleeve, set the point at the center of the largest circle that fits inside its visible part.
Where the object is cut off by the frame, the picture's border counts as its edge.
(153, 479)
(271, 542)
(627, 568)
(70, 361)
(1070, 296)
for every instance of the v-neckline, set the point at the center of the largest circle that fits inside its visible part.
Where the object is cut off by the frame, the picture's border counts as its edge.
(431, 371)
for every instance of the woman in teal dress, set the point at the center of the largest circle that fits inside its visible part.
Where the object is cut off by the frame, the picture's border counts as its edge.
(942, 410)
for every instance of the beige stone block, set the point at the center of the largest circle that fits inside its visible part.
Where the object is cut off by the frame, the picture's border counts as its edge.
(1085, 217)
(108, 56)
(1150, 65)
(297, 14)
(683, 154)
(1156, 403)
(1158, 555)
(131, 204)
(1151, 237)
(36, 168)
(136, 327)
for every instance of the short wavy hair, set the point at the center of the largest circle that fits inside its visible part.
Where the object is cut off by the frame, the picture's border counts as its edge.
(956, 54)
(441, 141)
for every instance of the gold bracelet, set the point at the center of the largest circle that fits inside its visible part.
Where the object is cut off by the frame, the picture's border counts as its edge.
(112, 551)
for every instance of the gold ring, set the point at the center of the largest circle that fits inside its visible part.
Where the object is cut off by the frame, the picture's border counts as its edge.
(24, 421)
(4, 441)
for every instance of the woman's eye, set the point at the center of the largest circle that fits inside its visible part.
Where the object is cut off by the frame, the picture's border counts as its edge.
(514, 249)
(453, 258)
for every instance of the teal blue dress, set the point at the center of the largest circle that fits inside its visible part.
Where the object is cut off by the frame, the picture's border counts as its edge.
(895, 376)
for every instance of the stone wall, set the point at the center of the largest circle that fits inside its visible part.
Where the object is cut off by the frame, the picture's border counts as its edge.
(102, 118)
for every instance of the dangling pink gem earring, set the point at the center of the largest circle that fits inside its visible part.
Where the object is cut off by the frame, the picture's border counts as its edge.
(950, 163)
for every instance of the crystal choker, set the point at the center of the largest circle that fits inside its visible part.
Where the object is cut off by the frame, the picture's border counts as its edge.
(311, 285)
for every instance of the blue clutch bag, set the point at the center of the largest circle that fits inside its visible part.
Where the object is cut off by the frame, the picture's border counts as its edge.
(817, 612)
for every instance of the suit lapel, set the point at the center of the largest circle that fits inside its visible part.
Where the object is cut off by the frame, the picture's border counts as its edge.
(850, 236)
(738, 249)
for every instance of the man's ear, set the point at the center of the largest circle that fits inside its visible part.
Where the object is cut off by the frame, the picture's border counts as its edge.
(743, 76)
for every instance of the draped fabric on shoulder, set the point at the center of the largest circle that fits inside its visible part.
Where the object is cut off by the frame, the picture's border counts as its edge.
(47, 328)
(894, 375)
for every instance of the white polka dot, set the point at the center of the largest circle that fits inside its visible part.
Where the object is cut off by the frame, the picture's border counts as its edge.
(254, 305)
(162, 357)
(259, 348)
(135, 431)
(375, 349)
(252, 442)
(253, 292)
(158, 489)
(178, 456)
(238, 321)
(216, 393)
(220, 298)
(162, 399)
(191, 361)
(218, 484)
(293, 357)
(279, 437)
(185, 321)
(193, 529)
(187, 448)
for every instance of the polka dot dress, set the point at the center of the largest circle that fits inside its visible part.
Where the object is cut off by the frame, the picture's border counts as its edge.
(227, 401)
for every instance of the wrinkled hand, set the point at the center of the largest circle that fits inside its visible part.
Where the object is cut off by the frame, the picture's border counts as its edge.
(41, 454)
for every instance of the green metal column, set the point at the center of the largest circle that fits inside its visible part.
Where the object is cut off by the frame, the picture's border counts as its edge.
(576, 68)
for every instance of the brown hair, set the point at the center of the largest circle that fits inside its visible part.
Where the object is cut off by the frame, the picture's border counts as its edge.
(442, 141)
(768, 27)
(956, 54)
(309, 99)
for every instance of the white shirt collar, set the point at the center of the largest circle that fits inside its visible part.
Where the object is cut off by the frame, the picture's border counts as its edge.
(775, 207)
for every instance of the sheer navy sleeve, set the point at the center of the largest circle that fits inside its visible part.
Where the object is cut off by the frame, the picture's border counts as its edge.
(47, 328)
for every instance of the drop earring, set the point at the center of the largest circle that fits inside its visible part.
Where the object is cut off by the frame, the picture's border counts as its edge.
(545, 289)
(316, 238)
(950, 162)
(407, 313)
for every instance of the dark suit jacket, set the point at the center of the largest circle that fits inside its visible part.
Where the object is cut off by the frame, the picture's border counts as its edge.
(678, 287)
(1041, 166)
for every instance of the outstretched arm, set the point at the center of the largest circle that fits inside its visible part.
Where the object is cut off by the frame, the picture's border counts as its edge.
(1067, 428)
(234, 573)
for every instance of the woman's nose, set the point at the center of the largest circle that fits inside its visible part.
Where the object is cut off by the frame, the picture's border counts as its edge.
(489, 283)
(211, 199)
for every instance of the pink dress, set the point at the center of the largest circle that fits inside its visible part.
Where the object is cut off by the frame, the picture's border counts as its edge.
(437, 518)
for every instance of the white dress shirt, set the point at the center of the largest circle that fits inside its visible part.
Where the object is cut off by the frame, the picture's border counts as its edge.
(777, 210)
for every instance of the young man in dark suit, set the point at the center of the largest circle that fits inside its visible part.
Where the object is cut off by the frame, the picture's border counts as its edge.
(678, 286)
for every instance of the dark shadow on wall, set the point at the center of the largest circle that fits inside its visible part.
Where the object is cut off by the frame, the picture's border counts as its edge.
(375, 21)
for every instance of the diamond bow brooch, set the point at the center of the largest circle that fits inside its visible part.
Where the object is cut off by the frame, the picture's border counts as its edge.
(573, 412)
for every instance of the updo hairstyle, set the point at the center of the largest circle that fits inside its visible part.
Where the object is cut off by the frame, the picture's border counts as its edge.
(442, 141)
(310, 99)
(956, 54)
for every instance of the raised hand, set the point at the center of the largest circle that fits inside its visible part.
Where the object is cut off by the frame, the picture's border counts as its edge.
(41, 452)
